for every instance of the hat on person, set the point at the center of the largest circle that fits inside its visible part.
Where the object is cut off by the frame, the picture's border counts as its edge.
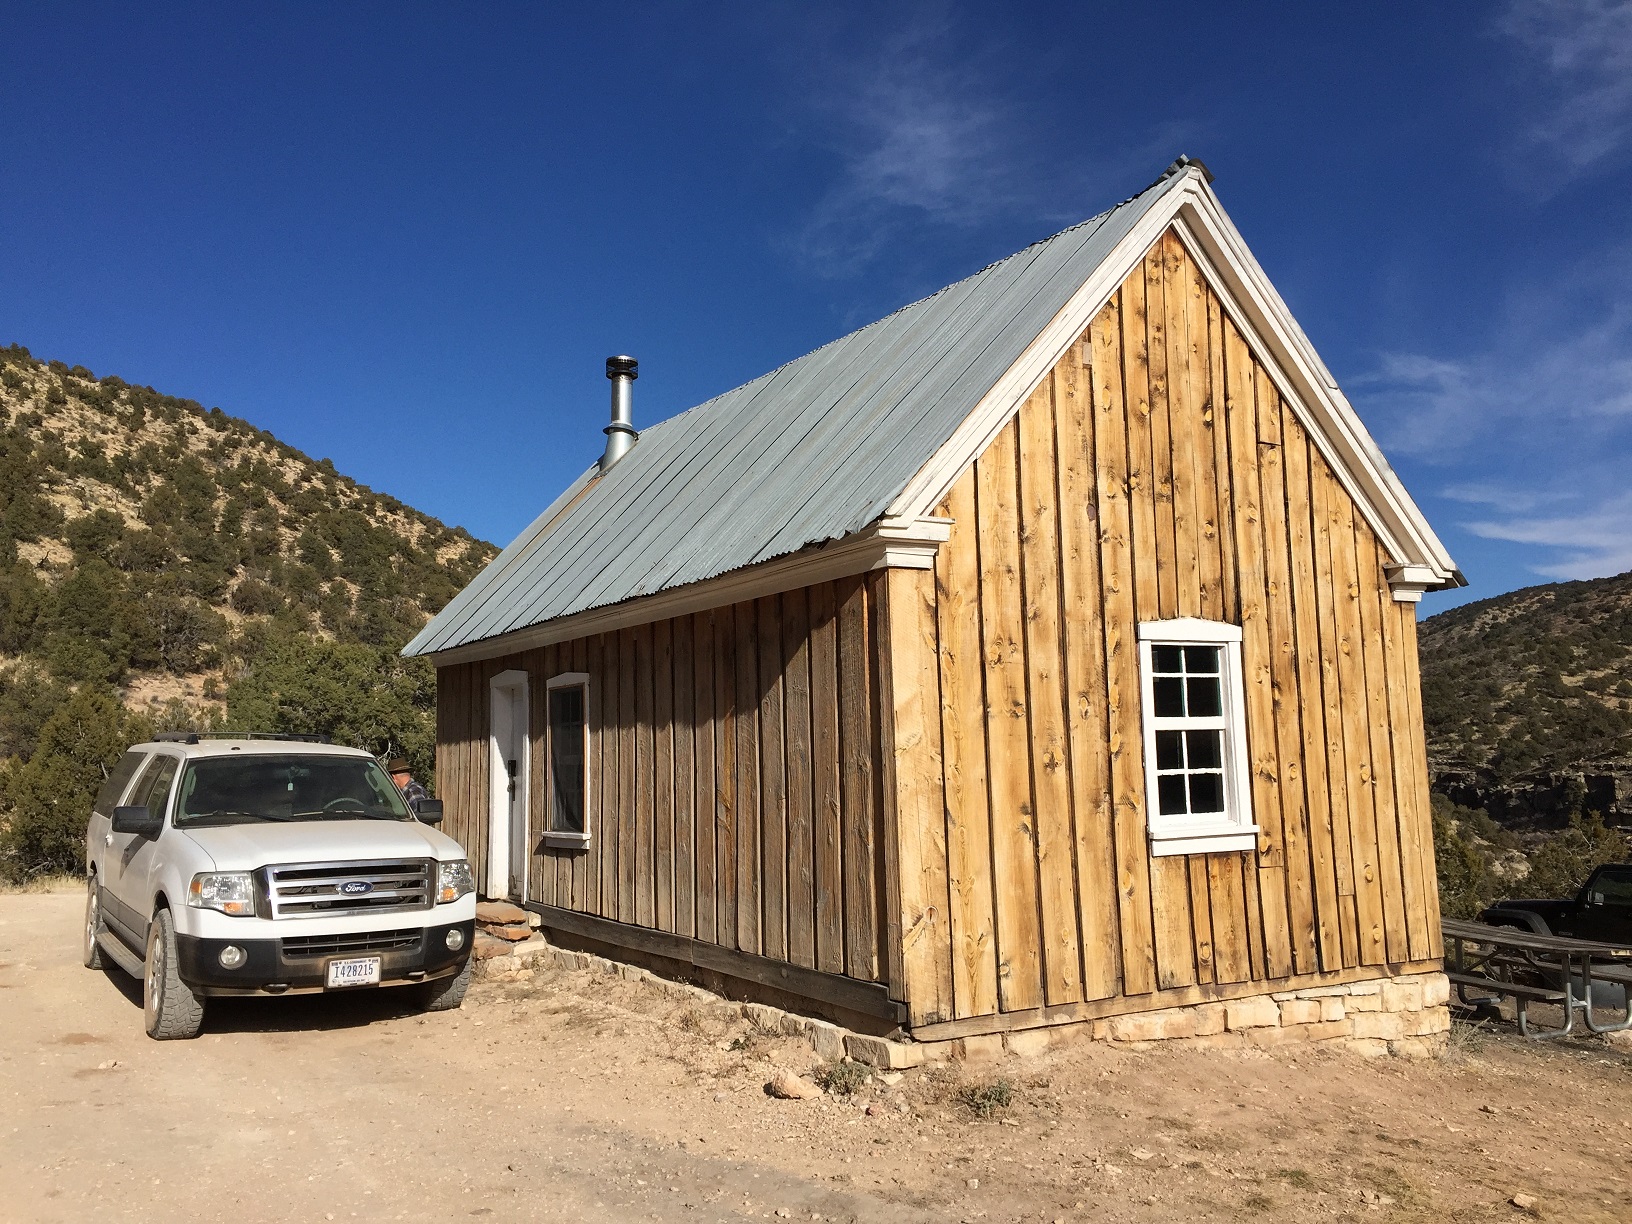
(398, 765)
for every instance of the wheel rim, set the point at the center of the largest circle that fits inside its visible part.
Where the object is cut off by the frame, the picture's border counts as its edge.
(155, 978)
(92, 919)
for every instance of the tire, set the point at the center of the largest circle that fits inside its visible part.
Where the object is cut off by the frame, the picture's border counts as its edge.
(93, 924)
(170, 1008)
(445, 994)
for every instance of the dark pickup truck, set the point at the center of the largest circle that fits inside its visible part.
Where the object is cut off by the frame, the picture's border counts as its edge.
(1602, 910)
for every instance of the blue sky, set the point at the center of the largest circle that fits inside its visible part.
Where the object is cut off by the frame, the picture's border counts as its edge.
(406, 236)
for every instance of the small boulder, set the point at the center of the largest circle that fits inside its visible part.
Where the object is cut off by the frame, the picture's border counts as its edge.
(514, 932)
(1524, 1202)
(787, 1086)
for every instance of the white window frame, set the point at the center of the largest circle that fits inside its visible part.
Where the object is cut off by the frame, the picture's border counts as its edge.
(560, 838)
(1234, 829)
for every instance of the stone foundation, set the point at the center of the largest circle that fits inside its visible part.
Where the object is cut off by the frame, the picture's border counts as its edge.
(1405, 1016)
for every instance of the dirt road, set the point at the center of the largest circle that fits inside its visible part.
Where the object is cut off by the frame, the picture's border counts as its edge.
(577, 1097)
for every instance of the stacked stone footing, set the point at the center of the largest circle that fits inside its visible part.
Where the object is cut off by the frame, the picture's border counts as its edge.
(499, 926)
(1406, 1017)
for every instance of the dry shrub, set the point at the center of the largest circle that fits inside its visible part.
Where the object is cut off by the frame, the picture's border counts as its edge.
(843, 1078)
(984, 1100)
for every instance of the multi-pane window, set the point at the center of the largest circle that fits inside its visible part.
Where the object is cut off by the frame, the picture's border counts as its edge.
(1187, 705)
(568, 727)
(1199, 800)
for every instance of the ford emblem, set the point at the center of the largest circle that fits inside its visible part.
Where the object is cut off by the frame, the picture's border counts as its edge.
(356, 888)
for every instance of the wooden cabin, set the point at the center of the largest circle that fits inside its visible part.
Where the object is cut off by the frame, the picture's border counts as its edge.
(1042, 653)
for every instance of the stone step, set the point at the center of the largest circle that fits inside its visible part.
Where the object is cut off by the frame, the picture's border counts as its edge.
(485, 947)
(501, 913)
(515, 932)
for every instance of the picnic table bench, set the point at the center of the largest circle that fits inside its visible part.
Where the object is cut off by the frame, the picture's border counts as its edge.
(1530, 968)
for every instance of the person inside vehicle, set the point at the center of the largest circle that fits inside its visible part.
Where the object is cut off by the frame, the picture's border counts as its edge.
(413, 792)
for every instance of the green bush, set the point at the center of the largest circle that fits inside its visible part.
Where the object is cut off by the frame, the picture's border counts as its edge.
(29, 696)
(45, 801)
(95, 535)
(1562, 863)
(252, 597)
(1466, 883)
(365, 696)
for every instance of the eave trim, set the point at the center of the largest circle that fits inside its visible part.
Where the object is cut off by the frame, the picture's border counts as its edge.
(893, 542)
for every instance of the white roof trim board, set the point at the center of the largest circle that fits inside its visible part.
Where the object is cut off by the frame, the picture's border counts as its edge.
(879, 424)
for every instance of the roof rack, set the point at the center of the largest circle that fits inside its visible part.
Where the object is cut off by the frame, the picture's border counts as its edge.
(192, 737)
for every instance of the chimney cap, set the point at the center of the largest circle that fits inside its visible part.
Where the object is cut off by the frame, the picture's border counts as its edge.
(622, 367)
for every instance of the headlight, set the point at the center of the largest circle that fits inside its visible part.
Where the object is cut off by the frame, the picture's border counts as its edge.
(231, 892)
(453, 880)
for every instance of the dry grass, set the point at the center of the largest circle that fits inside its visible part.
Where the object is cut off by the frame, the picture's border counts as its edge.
(1465, 1040)
(44, 884)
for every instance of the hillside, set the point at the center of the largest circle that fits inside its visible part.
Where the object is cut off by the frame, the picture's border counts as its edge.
(1528, 699)
(163, 565)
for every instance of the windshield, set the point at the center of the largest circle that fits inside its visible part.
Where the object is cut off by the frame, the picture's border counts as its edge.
(247, 789)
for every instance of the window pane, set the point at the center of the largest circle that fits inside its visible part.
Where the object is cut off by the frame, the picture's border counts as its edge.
(1201, 659)
(114, 787)
(1207, 792)
(1170, 795)
(1169, 750)
(1169, 696)
(567, 760)
(158, 799)
(1614, 886)
(1206, 749)
(1167, 658)
(235, 790)
(1206, 697)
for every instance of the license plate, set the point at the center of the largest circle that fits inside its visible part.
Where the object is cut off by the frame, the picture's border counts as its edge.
(363, 971)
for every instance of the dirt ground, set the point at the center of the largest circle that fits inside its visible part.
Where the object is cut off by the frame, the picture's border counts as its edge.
(571, 1096)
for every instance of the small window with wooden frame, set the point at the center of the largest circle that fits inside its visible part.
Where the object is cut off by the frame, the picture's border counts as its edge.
(566, 757)
(1198, 788)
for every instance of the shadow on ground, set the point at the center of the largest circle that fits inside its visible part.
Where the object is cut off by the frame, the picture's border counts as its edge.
(291, 1014)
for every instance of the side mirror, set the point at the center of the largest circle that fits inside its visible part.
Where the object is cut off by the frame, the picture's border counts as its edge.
(133, 818)
(429, 811)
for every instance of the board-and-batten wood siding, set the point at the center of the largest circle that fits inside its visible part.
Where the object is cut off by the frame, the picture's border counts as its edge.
(935, 779)
(735, 779)
(1156, 473)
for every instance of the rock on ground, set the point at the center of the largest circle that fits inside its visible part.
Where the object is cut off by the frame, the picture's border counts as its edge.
(789, 1087)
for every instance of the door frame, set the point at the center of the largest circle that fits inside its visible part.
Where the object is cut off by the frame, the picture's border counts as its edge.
(509, 713)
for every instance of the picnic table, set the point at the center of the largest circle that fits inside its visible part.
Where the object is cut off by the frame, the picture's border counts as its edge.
(1530, 968)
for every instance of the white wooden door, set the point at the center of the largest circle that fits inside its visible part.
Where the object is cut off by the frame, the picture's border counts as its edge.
(507, 771)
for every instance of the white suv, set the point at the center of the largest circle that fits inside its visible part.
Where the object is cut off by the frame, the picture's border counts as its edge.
(269, 866)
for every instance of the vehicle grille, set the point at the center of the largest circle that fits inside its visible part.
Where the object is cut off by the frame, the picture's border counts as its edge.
(298, 890)
(360, 943)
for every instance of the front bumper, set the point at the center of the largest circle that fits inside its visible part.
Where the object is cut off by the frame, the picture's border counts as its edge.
(270, 968)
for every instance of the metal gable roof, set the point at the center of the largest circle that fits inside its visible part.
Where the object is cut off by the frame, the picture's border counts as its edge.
(804, 455)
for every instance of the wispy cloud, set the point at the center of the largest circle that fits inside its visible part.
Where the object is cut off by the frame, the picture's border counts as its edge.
(1593, 542)
(920, 142)
(1582, 50)
(1572, 387)
(923, 134)
(1536, 430)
